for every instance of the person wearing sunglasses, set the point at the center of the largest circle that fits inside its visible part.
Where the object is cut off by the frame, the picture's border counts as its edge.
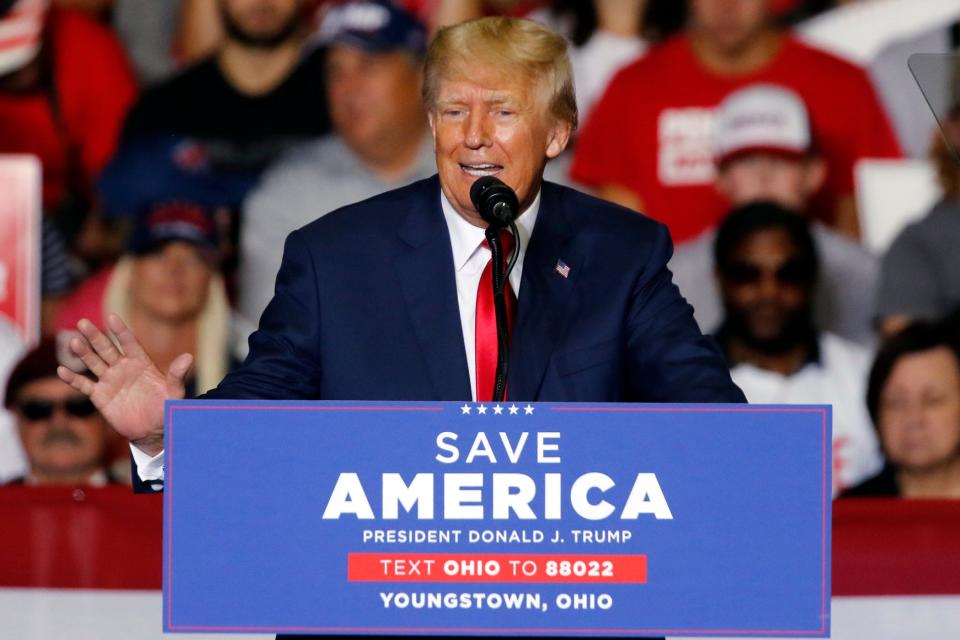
(63, 435)
(766, 267)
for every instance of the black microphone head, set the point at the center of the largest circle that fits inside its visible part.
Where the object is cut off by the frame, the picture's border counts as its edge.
(479, 186)
(495, 201)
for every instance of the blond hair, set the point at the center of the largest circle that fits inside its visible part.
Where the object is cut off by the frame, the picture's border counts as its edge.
(510, 45)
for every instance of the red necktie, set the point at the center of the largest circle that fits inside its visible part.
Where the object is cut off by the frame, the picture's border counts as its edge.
(486, 329)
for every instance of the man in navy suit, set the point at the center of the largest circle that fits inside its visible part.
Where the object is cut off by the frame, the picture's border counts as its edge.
(379, 300)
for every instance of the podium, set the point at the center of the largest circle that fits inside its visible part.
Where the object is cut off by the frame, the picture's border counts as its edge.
(532, 519)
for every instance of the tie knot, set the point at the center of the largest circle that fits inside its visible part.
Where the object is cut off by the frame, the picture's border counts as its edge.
(506, 241)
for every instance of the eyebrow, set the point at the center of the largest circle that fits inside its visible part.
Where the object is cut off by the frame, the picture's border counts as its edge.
(495, 99)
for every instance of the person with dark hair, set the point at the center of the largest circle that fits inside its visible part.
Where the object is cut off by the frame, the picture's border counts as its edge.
(256, 91)
(211, 130)
(64, 436)
(766, 266)
(913, 396)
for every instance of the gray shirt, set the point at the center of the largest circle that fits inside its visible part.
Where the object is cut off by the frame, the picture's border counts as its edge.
(844, 300)
(920, 273)
(148, 30)
(310, 181)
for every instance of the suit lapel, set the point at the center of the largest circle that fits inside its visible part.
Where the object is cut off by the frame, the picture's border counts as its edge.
(425, 271)
(547, 299)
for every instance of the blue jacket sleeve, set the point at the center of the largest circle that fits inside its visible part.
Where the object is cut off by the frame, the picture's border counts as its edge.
(284, 359)
(670, 359)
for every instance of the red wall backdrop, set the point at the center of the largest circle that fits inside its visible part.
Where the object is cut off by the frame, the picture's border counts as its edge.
(110, 538)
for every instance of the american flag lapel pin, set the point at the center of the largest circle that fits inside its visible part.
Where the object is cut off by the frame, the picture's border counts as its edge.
(562, 268)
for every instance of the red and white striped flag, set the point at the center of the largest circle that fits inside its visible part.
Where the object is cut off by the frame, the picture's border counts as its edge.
(21, 33)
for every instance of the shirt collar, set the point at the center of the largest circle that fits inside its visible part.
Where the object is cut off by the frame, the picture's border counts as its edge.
(465, 238)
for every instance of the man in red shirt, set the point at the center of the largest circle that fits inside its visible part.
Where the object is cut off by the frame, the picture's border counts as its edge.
(648, 144)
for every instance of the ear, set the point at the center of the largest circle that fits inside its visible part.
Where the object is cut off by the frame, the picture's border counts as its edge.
(558, 138)
(431, 118)
(815, 175)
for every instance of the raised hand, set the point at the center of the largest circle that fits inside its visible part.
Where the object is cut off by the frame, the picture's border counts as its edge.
(129, 389)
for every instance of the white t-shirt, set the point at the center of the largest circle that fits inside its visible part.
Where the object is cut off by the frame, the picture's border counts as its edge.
(838, 379)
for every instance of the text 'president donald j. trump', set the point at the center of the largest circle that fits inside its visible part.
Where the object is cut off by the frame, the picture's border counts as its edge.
(385, 299)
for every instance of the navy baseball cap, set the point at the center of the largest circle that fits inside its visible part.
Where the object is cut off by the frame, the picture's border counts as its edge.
(151, 169)
(170, 221)
(372, 25)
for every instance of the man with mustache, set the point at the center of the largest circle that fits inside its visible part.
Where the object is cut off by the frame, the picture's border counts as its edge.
(766, 268)
(64, 436)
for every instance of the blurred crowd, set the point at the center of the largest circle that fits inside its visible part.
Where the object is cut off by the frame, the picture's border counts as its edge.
(182, 140)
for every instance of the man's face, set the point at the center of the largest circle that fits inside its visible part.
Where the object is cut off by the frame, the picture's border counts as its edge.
(767, 292)
(756, 177)
(171, 284)
(372, 97)
(261, 23)
(730, 25)
(63, 435)
(492, 124)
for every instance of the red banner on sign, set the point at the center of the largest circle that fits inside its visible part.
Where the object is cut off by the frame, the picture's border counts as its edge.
(496, 567)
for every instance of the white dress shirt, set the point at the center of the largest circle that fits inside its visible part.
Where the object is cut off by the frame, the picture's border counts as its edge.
(470, 256)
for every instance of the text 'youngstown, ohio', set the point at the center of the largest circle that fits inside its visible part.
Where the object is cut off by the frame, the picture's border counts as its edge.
(494, 600)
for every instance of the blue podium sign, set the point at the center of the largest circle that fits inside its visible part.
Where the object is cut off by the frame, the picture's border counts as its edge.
(498, 519)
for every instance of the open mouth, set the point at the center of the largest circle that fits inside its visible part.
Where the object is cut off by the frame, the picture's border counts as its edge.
(481, 169)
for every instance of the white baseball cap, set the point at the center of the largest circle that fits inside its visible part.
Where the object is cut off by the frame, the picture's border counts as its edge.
(761, 117)
(21, 33)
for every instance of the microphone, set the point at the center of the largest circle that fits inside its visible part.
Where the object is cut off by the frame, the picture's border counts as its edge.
(498, 206)
(496, 202)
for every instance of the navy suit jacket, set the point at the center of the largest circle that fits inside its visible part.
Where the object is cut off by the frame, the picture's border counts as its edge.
(366, 308)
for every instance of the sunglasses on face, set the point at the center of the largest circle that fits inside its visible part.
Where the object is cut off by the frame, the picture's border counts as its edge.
(791, 273)
(37, 409)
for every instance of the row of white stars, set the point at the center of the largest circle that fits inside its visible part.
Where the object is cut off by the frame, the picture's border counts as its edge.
(498, 409)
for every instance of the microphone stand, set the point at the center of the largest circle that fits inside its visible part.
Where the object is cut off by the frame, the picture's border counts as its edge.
(500, 282)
